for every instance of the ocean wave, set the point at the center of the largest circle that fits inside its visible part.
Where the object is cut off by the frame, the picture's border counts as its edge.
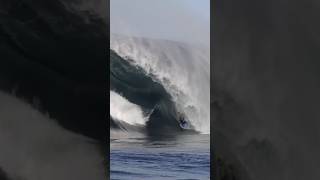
(163, 78)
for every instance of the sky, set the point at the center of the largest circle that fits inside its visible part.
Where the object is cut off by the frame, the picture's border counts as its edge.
(179, 20)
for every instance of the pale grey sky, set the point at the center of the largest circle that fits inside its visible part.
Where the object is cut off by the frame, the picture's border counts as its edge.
(179, 20)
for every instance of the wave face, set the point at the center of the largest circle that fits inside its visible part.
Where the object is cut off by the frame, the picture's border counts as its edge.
(40, 59)
(160, 78)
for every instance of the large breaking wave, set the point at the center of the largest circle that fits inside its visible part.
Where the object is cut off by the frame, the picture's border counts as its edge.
(151, 80)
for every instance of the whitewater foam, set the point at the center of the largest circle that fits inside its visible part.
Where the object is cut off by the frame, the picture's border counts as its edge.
(123, 110)
(182, 69)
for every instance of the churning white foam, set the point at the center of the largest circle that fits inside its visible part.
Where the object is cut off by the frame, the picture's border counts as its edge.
(123, 110)
(183, 70)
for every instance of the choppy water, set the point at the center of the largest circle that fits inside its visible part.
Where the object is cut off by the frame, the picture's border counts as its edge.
(186, 157)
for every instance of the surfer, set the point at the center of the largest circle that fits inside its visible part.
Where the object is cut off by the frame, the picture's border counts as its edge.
(182, 121)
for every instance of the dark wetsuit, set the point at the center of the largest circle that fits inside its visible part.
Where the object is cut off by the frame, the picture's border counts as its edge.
(183, 122)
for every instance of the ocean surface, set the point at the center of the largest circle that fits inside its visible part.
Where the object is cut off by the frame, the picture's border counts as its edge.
(184, 157)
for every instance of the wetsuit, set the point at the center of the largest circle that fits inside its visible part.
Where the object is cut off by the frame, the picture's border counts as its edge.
(183, 122)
